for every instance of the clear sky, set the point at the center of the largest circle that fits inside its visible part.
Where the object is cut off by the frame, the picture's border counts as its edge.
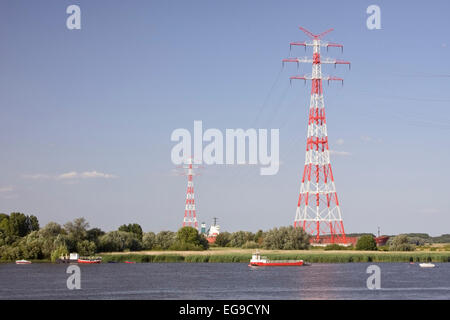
(86, 115)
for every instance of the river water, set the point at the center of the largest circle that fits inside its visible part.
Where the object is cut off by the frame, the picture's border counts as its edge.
(224, 281)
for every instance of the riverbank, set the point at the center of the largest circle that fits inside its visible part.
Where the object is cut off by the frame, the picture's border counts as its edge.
(228, 255)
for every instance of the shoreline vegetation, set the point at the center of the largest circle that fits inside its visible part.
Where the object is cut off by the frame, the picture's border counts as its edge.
(244, 255)
(22, 238)
(225, 255)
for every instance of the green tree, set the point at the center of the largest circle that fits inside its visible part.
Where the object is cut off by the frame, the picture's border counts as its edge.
(259, 237)
(223, 239)
(417, 241)
(401, 243)
(133, 228)
(94, 234)
(10, 253)
(31, 247)
(59, 252)
(366, 242)
(33, 223)
(286, 238)
(86, 248)
(51, 230)
(4, 219)
(148, 240)
(77, 229)
(119, 241)
(19, 224)
(164, 239)
(240, 237)
(2, 238)
(188, 238)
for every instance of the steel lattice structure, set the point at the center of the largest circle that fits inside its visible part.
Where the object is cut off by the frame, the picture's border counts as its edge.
(318, 211)
(190, 217)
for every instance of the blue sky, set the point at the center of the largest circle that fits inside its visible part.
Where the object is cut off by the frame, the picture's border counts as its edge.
(86, 115)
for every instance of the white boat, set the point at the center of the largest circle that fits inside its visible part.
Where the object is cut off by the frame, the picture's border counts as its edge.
(259, 261)
(23, 262)
(426, 265)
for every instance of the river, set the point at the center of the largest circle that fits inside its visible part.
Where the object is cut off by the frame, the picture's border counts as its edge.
(224, 281)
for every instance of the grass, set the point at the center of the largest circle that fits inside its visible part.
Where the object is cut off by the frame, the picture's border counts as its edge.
(229, 255)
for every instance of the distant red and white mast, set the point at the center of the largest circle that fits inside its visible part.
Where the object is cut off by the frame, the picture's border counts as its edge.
(318, 211)
(190, 217)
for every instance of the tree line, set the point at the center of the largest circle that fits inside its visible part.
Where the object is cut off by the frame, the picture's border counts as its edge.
(22, 238)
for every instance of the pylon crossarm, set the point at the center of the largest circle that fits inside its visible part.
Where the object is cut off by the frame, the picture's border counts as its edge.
(315, 43)
(342, 62)
(297, 60)
(329, 78)
(324, 33)
(299, 78)
(315, 36)
(333, 45)
(335, 62)
(310, 77)
(190, 166)
(297, 44)
(190, 174)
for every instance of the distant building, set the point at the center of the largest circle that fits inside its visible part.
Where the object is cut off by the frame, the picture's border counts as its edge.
(213, 231)
(203, 228)
(381, 240)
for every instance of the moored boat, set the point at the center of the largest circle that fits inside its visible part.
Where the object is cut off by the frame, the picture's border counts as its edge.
(90, 260)
(259, 261)
(72, 258)
(426, 265)
(23, 262)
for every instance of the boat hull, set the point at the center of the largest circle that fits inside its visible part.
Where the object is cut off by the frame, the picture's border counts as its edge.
(89, 261)
(276, 264)
(426, 265)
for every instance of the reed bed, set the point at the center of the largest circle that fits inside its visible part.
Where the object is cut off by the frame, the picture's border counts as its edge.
(312, 257)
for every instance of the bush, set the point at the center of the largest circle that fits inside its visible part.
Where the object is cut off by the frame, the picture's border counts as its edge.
(366, 242)
(119, 241)
(286, 238)
(8, 253)
(86, 248)
(133, 228)
(238, 238)
(259, 237)
(18, 224)
(164, 240)
(148, 240)
(58, 252)
(223, 239)
(401, 243)
(188, 238)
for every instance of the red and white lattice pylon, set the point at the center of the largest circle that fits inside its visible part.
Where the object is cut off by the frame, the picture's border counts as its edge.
(190, 216)
(318, 211)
